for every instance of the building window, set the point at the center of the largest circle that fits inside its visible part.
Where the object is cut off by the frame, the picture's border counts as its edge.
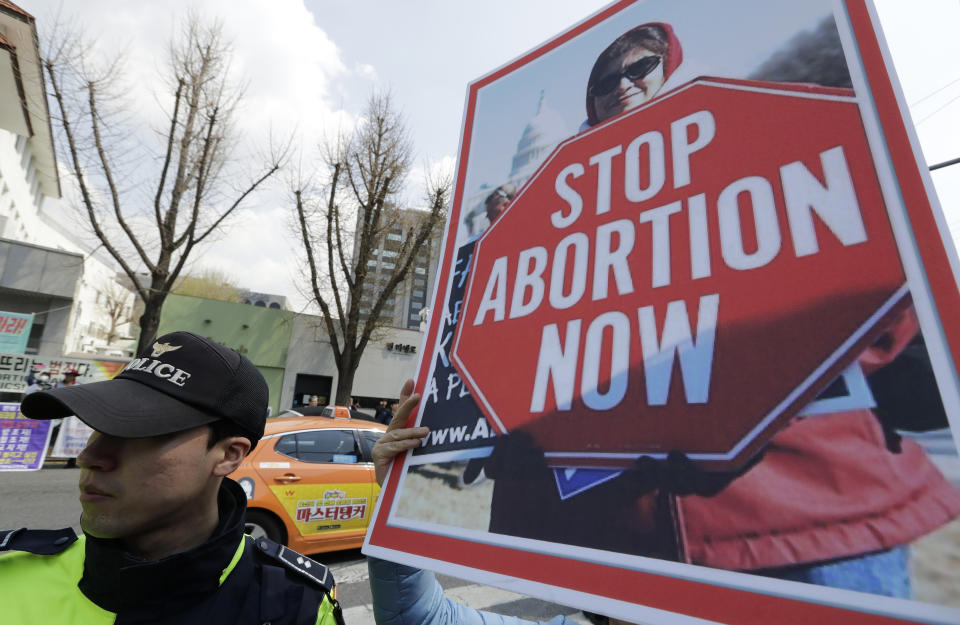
(394, 237)
(336, 446)
(36, 333)
(420, 270)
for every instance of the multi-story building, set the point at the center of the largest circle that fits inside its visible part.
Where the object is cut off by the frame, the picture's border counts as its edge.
(293, 351)
(403, 308)
(28, 164)
(46, 270)
(264, 300)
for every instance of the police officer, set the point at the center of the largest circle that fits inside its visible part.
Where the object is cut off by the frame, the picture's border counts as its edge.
(163, 538)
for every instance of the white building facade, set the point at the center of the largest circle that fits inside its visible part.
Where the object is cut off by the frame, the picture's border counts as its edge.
(28, 177)
(387, 362)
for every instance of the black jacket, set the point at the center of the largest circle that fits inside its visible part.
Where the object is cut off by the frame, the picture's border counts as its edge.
(268, 583)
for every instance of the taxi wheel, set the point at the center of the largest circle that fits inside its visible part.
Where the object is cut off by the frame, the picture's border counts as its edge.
(261, 524)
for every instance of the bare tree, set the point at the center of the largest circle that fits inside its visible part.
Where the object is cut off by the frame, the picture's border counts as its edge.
(343, 225)
(151, 205)
(118, 303)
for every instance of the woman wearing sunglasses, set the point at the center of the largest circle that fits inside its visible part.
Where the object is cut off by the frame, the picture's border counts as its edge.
(631, 70)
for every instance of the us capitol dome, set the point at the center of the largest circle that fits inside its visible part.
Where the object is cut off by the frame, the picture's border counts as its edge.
(541, 135)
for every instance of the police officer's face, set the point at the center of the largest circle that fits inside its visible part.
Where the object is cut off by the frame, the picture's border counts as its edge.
(140, 488)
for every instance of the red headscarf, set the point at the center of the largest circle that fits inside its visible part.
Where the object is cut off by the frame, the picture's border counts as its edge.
(672, 58)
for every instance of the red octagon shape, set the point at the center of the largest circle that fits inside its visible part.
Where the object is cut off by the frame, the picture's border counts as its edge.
(686, 276)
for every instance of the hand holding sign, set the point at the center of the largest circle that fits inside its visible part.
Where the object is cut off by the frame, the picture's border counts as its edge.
(398, 438)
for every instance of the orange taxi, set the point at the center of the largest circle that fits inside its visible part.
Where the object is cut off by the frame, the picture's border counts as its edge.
(310, 482)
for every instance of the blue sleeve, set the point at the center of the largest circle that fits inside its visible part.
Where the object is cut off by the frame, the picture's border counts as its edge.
(403, 595)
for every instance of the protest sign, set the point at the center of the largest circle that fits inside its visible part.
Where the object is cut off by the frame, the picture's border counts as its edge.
(71, 438)
(616, 333)
(72, 434)
(696, 301)
(23, 442)
(15, 331)
(14, 369)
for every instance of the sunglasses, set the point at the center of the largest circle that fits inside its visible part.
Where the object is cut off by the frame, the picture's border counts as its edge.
(638, 70)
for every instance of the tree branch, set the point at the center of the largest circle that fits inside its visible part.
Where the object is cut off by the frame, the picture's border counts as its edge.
(253, 187)
(333, 209)
(82, 183)
(314, 277)
(198, 189)
(168, 152)
(108, 174)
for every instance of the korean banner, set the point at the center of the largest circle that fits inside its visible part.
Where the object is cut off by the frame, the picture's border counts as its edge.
(15, 368)
(71, 435)
(14, 331)
(697, 328)
(23, 442)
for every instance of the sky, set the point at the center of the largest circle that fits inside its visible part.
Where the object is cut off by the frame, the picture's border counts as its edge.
(505, 106)
(310, 65)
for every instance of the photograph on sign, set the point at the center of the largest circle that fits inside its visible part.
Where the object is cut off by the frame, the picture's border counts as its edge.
(685, 321)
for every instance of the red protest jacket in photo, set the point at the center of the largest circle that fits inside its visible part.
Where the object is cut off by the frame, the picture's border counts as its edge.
(827, 487)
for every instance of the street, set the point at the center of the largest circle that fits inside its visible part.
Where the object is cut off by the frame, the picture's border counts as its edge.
(47, 499)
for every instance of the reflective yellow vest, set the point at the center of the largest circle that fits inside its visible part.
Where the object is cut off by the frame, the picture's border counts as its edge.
(42, 589)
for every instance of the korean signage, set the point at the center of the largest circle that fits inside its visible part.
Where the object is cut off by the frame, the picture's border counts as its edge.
(23, 442)
(694, 296)
(14, 331)
(327, 508)
(401, 347)
(14, 369)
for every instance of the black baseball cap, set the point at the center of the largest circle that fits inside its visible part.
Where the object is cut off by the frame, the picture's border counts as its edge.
(180, 382)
